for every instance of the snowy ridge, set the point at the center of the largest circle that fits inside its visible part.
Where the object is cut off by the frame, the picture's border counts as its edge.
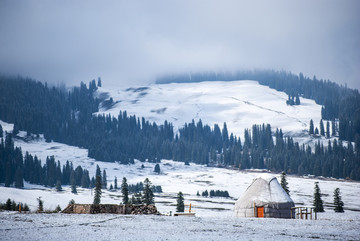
(238, 103)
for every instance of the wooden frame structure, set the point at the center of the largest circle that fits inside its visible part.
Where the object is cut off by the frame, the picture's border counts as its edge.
(186, 213)
(304, 212)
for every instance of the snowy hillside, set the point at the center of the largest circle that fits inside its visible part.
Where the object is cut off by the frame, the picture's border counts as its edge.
(238, 103)
(174, 177)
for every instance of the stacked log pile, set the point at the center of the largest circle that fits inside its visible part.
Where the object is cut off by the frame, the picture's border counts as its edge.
(110, 208)
(107, 208)
(143, 209)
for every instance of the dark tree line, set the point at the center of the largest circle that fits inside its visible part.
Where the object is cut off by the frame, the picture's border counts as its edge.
(214, 193)
(15, 168)
(38, 108)
(261, 150)
(13, 206)
(338, 102)
(11, 163)
(139, 187)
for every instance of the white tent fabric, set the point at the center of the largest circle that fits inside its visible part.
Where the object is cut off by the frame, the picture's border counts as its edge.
(265, 191)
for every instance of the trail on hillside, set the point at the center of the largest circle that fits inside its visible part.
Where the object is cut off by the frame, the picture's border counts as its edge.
(268, 109)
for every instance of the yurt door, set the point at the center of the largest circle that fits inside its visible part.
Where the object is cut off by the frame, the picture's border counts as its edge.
(260, 212)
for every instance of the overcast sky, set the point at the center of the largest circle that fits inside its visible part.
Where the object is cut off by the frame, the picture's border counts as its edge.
(131, 42)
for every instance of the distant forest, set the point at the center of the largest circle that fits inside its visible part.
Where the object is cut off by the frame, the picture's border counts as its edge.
(15, 168)
(67, 116)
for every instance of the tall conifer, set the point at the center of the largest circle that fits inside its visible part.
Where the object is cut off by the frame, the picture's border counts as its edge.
(337, 201)
(322, 130)
(115, 183)
(98, 192)
(311, 128)
(284, 183)
(180, 202)
(148, 195)
(104, 181)
(318, 202)
(125, 191)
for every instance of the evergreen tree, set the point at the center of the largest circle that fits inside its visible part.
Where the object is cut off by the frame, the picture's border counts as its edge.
(1, 132)
(316, 131)
(8, 204)
(58, 186)
(115, 183)
(26, 208)
(92, 182)
(311, 128)
(157, 168)
(136, 198)
(19, 180)
(125, 191)
(297, 100)
(85, 179)
(322, 130)
(148, 195)
(99, 82)
(104, 181)
(212, 193)
(98, 171)
(333, 128)
(15, 129)
(73, 182)
(13, 206)
(284, 183)
(57, 209)
(197, 193)
(40, 205)
(337, 201)
(72, 201)
(318, 202)
(225, 135)
(327, 129)
(98, 184)
(180, 202)
(111, 187)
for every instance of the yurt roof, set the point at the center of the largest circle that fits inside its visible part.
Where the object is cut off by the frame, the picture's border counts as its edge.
(265, 188)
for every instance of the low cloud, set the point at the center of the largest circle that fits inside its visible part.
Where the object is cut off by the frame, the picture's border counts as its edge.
(130, 43)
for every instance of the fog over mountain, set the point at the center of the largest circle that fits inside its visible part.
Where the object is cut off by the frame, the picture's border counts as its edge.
(132, 42)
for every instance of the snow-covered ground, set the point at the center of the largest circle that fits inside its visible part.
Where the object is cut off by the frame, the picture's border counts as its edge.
(238, 103)
(14, 226)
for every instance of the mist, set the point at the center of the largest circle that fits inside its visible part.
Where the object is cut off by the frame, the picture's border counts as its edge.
(132, 42)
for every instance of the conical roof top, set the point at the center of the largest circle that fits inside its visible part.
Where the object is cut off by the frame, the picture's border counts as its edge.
(265, 189)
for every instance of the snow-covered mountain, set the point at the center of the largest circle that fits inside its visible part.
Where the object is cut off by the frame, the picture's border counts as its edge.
(238, 103)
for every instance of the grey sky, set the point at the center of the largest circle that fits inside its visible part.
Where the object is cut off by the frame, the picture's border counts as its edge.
(130, 42)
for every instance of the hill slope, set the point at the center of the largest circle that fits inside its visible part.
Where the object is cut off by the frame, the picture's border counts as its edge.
(238, 103)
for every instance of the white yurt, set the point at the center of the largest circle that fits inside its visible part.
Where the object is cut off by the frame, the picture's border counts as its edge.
(265, 198)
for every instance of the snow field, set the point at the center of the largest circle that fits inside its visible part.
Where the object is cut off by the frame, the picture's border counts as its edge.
(15, 226)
